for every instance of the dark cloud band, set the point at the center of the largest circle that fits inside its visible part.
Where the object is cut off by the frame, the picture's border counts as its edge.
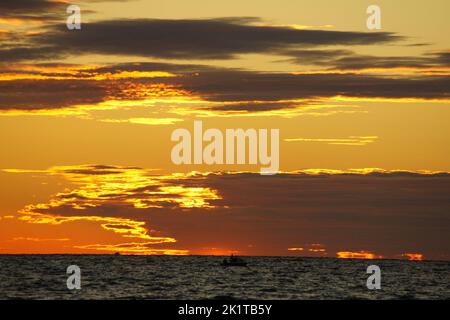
(189, 39)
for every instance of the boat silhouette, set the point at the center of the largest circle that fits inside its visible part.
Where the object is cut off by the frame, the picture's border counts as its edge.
(233, 262)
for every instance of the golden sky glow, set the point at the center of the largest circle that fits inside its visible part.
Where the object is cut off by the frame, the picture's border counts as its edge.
(86, 118)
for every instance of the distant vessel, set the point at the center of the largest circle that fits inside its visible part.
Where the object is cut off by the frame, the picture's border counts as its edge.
(117, 254)
(233, 262)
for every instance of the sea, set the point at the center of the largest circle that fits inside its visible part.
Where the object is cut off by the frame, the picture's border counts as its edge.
(127, 277)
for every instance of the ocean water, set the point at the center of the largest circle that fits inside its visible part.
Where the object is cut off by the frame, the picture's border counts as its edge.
(201, 277)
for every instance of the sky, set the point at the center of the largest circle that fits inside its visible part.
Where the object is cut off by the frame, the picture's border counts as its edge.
(86, 118)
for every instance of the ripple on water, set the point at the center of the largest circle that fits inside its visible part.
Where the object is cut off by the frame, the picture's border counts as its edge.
(201, 277)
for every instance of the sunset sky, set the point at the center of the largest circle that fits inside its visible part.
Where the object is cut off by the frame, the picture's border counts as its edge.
(364, 117)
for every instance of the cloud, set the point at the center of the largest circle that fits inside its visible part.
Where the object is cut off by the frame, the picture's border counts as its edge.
(135, 248)
(368, 210)
(357, 255)
(22, 6)
(32, 95)
(220, 38)
(223, 92)
(359, 62)
(38, 239)
(269, 87)
(31, 11)
(348, 60)
(51, 88)
(262, 91)
(350, 141)
(21, 12)
(146, 121)
(55, 88)
(314, 249)
(317, 56)
(413, 256)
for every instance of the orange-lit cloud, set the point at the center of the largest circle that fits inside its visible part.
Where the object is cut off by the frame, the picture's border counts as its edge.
(146, 121)
(357, 255)
(137, 248)
(38, 239)
(19, 21)
(208, 213)
(314, 249)
(413, 256)
(350, 141)
(217, 251)
(68, 89)
(77, 73)
(118, 186)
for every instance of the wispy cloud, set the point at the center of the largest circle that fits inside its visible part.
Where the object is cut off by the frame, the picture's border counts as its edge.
(146, 121)
(144, 248)
(33, 239)
(315, 249)
(350, 141)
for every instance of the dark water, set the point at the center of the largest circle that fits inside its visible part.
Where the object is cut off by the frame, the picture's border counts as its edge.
(201, 277)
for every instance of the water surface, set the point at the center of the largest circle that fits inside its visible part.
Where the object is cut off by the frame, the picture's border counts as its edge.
(201, 277)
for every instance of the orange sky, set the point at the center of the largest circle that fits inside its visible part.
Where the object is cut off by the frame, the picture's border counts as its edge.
(86, 117)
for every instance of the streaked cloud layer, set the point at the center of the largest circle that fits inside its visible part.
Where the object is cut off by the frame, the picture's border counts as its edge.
(342, 96)
(221, 90)
(252, 214)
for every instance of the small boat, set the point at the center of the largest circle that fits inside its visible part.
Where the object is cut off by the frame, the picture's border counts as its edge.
(117, 254)
(233, 262)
